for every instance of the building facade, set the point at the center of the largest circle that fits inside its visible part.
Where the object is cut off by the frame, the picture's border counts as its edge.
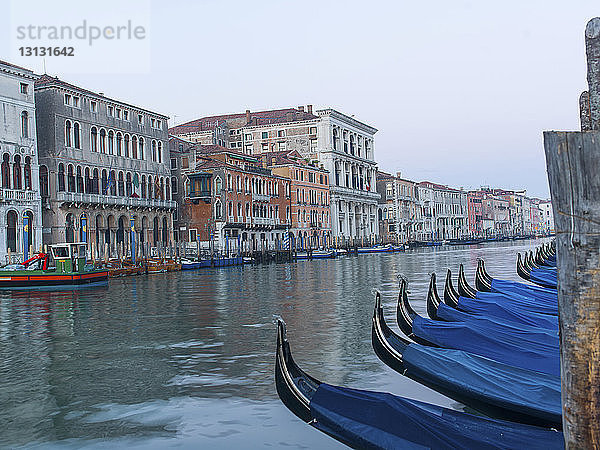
(399, 211)
(343, 145)
(104, 166)
(20, 212)
(309, 183)
(444, 212)
(233, 203)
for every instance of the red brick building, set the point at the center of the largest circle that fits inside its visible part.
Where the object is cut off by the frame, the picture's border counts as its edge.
(232, 201)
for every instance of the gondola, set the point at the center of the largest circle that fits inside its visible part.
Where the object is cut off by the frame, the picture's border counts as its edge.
(519, 346)
(542, 295)
(450, 294)
(365, 419)
(463, 286)
(438, 310)
(487, 386)
(521, 269)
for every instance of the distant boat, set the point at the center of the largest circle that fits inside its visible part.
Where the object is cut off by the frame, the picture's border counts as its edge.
(317, 254)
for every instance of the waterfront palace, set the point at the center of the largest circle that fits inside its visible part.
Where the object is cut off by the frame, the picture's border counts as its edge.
(81, 166)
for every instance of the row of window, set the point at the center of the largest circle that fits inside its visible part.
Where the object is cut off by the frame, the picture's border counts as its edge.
(13, 236)
(21, 175)
(352, 143)
(313, 197)
(111, 143)
(313, 218)
(250, 210)
(74, 101)
(299, 174)
(109, 182)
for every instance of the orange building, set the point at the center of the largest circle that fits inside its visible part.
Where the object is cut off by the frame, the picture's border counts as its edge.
(311, 223)
(232, 202)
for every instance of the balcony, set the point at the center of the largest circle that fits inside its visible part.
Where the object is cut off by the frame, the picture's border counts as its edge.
(200, 194)
(21, 195)
(260, 197)
(110, 200)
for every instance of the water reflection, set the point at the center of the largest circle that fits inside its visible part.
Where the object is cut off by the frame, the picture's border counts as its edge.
(187, 358)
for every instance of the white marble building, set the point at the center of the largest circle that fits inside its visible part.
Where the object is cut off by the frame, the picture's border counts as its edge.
(345, 147)
(19, 192)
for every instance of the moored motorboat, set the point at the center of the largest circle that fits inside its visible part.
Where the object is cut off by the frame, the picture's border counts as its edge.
(70, 269)
(316, 254)
(364, 419)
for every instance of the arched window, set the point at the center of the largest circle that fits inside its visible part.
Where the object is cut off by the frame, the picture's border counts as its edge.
(143, 186)
(155, 234)
(134, 147)
(112, 182)
(121, 184)
(149, 186)
(239, 210)
(94, 139)
(174, 185)
(167, 190)
(102, 140)
(119, 144)
(44, 188)
(68, 134)
(70, 179)
(24, 124)
(83, 237)
(141, 144)
(61, 177)
(79, 181)
(218, 210)
(77, 135)
(96, 182)
(27, 173)
(104, 182)
(111, 142)
(165, 230)
(70, 228)
(126, 146)
(159, 151)
(17, 179)
(128, 184)
(153, 151)
(88, 181)
(5, 171)
(11, 231)
(218, 185)
(29, 216)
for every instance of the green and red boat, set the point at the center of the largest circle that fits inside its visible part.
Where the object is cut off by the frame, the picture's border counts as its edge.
(70, 269)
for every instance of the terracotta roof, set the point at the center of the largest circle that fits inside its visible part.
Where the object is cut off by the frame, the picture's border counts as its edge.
(273, 116)
(46, 81)
(438, 186)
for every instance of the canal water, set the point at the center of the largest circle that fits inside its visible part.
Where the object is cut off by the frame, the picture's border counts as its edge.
(186, 359)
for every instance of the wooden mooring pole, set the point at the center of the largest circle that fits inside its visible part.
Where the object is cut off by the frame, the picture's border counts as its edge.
(573, 162)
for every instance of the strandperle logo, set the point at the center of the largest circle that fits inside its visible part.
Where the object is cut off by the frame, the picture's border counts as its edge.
(70, 36)
(82, 32)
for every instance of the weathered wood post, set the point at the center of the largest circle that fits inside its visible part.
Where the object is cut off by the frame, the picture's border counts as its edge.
(573, 161)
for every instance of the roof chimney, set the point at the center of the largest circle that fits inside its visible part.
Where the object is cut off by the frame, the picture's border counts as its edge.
(398, 174)
(247, 116)
(301, 108)
(309, 108)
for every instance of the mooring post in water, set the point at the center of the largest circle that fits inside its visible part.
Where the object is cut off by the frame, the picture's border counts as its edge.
(573, 162)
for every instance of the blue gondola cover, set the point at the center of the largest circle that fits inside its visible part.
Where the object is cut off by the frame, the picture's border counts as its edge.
(490, 380)
(366, 419)
(525, 349)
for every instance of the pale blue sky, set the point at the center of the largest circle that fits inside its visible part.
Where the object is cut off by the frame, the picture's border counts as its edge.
(460, 91)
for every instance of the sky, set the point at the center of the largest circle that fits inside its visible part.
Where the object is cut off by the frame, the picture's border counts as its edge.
(460, 91)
